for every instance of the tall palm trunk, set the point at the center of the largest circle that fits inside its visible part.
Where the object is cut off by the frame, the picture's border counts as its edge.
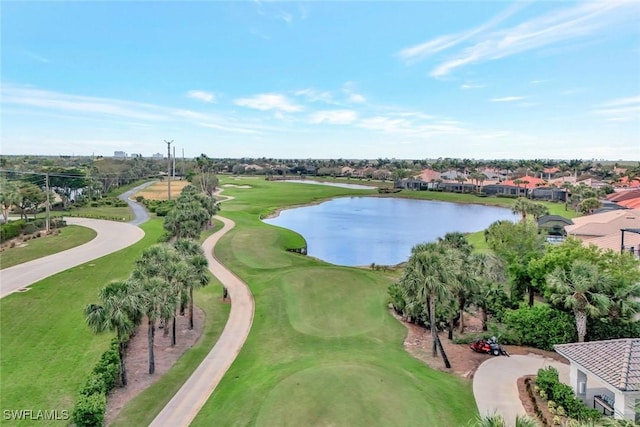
(123, 370)
(581, 325)
(461, 305)
(484, 318)
(432, 324)
(191, 307)
(173, 332)
(151, 336)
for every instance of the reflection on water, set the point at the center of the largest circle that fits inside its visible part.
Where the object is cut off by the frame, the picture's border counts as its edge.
(360, 230)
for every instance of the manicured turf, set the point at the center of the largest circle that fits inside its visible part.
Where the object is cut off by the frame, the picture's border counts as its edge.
(46, 348)
(111, 213)
(69, 237)
(323, 349)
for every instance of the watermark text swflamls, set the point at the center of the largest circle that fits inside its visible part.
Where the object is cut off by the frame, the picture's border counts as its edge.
(35, 414)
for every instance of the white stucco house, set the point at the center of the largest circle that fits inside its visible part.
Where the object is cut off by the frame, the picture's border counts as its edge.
(606, 374)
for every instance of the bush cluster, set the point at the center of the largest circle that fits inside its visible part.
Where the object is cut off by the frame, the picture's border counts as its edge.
(13, 229)
(91, 405)
(159, 207)
(539, 326)
(563, 396)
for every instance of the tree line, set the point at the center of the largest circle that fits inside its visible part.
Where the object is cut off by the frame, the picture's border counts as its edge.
(596, 288)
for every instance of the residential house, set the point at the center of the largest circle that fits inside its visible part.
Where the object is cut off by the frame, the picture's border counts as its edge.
(606, 374)
(605, 230)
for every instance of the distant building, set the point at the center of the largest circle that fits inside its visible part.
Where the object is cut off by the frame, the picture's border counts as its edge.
(136, 155)
(158, 156)
(119, 154)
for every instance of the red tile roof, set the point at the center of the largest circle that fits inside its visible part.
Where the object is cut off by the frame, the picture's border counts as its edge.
(531, 182)
(616, 362)
(624, 181)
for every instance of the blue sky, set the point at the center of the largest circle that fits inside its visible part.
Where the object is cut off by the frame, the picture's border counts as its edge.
(352, 79)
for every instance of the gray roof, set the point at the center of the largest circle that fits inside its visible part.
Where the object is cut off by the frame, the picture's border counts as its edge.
(616, 362)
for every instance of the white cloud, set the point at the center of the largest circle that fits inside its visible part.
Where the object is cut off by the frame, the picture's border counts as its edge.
(314, 95)
(537, 82)
(471, 86)
(580, 21)
(56, 101)
(334, 117)
(352, 96)
(413, 54)
(269, 101)
(202, 96)
(620, 110)
(507, 99)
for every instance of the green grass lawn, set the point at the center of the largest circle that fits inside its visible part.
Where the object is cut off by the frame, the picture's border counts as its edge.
(323, 349)
(111, 213)
(69, 237)
(46, 350)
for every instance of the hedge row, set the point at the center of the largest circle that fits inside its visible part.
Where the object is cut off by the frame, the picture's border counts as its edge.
(551, 388)
(13, 229)
(91, 405)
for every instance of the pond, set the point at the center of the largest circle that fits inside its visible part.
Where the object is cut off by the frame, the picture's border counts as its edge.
(358, 231)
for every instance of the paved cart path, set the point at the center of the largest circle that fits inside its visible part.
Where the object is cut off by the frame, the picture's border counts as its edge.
(187, 402)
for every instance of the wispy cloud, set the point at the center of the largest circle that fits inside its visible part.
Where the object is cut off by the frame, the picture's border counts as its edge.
(507, 99)
(202, 96)
(420, 51)
(78, 107)
(620, 110)
(471, 86)
(35, 56)
(567, 24)
(334, 117)
(269, 101)
(314, 95)
(352, 96)
(30, 97)
(537, 82)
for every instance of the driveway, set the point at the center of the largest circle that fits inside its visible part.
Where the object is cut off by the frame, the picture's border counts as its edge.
(495, 383)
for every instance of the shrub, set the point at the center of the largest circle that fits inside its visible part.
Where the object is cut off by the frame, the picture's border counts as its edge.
(89, 410)
(607, 328)
(94, 385)
(565, 400)
(139, 199)
(540, 326)
(108, 367)
(11, 230)
(29, 228)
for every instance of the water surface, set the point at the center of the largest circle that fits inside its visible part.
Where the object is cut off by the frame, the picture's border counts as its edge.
(357, 231)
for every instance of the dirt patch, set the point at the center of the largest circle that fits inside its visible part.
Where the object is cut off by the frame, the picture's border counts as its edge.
(463, 360)
(236, 186)
(137, 359)
(159, 191)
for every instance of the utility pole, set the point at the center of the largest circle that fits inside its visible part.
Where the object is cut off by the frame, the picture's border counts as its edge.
(174, 162)
(169, 168)
(48, 205)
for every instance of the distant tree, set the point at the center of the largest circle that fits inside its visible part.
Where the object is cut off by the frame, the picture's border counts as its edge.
(589, 205)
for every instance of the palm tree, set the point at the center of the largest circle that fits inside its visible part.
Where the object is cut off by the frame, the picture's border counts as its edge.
(152, 277)
(488, 271)
(193, 254)
(431, 269)
(579, 289)
(119, 312)
(498, 421)
(522, 206)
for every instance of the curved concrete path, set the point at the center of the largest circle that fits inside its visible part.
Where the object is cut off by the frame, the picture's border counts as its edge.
(111, 237)
(495, 383)
(187, 402)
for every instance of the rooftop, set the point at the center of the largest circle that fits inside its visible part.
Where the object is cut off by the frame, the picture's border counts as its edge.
(616, 362)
